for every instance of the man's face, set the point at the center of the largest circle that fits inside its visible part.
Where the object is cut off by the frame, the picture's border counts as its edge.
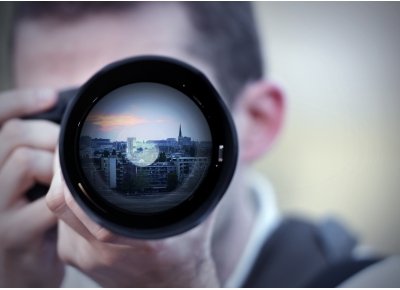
(59, 54)
(51, 53)
(63, 53)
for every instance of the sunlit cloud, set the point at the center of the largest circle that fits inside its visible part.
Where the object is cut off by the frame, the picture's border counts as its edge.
(110, 122)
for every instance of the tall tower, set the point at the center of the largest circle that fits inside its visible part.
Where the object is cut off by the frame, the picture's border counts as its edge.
(180, 133)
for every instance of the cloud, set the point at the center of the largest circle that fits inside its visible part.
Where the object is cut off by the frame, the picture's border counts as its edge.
(110, 122)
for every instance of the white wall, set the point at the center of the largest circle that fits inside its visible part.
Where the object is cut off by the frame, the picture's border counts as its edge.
(339, 153)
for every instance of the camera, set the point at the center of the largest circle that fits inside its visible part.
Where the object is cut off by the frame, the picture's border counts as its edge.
(147, 146)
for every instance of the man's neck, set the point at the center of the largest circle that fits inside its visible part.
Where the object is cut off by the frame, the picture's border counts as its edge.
(235, 223)
(244, 223)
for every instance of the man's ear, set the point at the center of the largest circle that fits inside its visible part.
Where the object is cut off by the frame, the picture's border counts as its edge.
(259, 114)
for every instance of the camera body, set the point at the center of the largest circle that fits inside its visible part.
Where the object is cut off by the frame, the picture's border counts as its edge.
(55, 115)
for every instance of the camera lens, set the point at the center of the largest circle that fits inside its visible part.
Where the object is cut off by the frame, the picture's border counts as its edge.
(145, 147)
(148, 147)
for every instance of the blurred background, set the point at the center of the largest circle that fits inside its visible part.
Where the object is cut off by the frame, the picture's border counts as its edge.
(339, 64)
(338, 155)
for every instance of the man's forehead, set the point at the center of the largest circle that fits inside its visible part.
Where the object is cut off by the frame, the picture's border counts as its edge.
(58, 53)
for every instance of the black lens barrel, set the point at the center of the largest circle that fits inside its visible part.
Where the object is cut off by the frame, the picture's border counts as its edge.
(223, 156)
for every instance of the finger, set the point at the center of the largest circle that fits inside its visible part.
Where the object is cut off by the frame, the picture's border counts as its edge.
(38, 134)
(30, 221)
(76, 250)
(69, 244)
(93, 230)
(97, 231)
(64, 206)
(20, 103)
(56, 203)
(21, 171)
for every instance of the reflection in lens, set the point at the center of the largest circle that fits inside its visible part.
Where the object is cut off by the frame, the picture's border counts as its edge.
(145, 147)
(141, 153)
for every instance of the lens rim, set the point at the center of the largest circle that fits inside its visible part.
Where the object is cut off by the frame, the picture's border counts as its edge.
(192, 83)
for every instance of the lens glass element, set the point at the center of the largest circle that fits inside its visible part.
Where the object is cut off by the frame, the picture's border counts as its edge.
(145, 148)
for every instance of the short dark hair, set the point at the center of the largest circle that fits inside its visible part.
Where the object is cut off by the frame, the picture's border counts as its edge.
(226, 37)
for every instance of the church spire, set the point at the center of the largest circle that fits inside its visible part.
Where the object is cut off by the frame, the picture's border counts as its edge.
(180, 132)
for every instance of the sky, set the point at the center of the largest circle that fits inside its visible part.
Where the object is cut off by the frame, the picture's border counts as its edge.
(147, 111)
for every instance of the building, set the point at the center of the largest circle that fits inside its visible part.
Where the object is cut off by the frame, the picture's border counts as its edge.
(183, 141)
(158, 176)
(93, 172)
(138, 166)
(120, 146)
(101, 144)
(131, 141)
(191, 167)
(109, 167)
(180, 133)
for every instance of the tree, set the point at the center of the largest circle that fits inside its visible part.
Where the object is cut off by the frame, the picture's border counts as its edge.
(162, 157)
(138, 183)
(106, 153)
(192, 151)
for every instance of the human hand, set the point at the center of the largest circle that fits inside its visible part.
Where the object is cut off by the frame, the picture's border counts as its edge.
(28, 256)
(116, 261)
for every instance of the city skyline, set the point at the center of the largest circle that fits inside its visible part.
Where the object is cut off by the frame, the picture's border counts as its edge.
(176, 137)
(147, 111)
(129, 173)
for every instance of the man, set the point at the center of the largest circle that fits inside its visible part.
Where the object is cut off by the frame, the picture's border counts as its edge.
(59, 45)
